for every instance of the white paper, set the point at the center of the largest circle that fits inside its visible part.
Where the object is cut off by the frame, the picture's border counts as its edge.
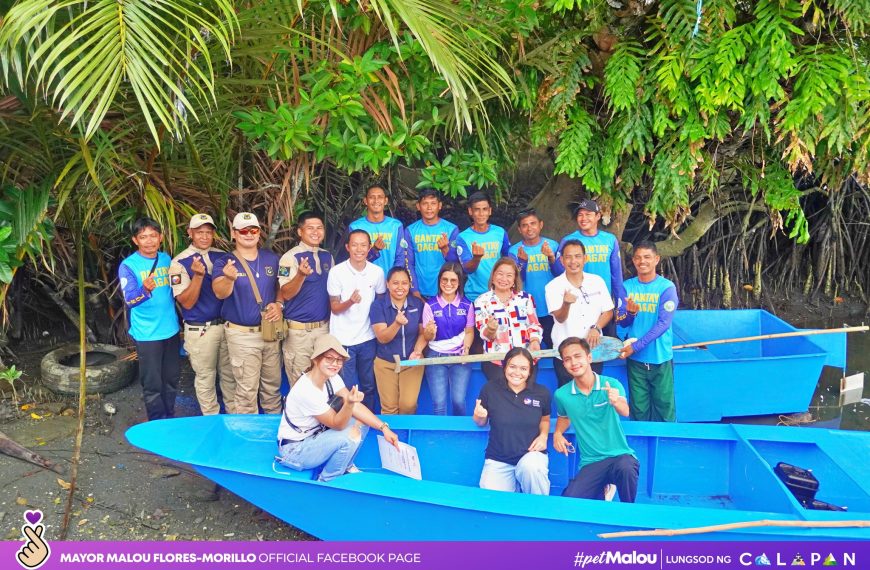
(403, 461)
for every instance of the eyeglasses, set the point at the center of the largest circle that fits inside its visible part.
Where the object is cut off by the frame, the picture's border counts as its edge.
(332, 360)
(249, 231)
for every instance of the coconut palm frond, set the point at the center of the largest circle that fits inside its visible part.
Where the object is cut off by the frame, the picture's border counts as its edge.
(77, 54)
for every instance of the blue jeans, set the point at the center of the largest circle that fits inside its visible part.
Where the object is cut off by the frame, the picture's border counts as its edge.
(447, 377)
(332, 449)
(359, 370)
(530, 475)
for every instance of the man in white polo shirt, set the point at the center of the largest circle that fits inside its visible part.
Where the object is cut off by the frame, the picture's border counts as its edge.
(352, 286)
(580, 304)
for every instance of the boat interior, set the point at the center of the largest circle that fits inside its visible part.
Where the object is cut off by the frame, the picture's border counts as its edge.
(724, 472)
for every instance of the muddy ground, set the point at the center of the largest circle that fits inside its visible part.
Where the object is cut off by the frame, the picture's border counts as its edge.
(123, 493)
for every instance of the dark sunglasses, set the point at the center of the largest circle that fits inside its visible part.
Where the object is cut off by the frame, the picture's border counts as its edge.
(249, 231)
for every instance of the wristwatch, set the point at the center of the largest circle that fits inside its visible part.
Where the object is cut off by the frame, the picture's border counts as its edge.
(383, 426)
(597, 328)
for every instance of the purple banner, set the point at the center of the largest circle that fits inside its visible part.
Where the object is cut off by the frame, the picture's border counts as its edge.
(429, 555)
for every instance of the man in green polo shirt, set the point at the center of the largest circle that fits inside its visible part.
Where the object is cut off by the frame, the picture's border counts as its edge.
(591, 403)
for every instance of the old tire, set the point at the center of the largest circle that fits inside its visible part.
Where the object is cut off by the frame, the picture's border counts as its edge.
(106, 372)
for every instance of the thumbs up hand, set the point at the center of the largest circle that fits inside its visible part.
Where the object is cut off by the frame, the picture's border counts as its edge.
(479, 410)
(612, 394)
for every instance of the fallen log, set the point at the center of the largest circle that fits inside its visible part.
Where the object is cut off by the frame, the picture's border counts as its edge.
(14, 449)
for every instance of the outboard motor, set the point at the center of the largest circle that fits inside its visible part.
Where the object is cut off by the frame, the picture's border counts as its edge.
(804, 486)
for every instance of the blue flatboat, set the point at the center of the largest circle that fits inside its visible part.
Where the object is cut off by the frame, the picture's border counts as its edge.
(773, 376)
(690, 476)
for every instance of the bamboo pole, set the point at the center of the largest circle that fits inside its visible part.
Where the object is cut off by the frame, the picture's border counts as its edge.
(735, 526)
(774, 335)
(600, 353)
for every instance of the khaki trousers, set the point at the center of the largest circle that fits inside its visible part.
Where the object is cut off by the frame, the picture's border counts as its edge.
(398, 392)
(208, 357)
(257, 369)
(297, 349)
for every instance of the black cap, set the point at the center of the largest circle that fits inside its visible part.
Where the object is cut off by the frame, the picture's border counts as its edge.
(586, 204)
(426, 192)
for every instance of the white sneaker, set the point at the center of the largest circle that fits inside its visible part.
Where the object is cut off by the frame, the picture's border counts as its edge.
(354, 469)
(609, 491)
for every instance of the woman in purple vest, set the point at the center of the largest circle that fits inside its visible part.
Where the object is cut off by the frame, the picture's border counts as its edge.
(448, 321)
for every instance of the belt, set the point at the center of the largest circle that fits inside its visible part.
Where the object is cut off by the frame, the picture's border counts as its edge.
(297, 326)
(283, 442)
(245, 328)
(202, 326)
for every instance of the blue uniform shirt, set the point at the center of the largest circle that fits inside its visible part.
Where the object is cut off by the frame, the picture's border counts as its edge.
(383, 311)
(152, 315)
(241, 306)
(536, 271)
(311, 303)
(208, 306)
(652, 325)
(397, 250)
(495, 244)
(427, 257)
(602, 259)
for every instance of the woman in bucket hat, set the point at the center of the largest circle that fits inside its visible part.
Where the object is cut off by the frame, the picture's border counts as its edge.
(323, 423)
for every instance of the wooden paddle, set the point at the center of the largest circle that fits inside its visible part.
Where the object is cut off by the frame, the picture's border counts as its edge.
(773, 335)
(607, 349)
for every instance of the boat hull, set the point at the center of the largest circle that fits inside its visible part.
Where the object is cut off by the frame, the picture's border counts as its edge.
(691, 475)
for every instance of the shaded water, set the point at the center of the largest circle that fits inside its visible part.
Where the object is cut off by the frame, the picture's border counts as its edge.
(827, 407)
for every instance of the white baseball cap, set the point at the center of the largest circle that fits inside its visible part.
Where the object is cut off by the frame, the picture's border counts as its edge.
(200, 220)
(245, 220)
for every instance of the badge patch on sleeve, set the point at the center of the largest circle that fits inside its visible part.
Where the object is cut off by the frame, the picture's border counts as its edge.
(175, 279)
(669, 306)
(283, 271)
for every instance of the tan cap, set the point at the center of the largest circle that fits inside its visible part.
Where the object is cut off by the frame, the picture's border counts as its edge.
(325, 343)
(245, 220)
(200, 220)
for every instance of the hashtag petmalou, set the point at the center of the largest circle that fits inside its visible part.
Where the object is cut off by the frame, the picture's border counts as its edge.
(609, 557)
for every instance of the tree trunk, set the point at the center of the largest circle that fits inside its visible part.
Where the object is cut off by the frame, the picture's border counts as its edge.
(83, 349)
(554, 205)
